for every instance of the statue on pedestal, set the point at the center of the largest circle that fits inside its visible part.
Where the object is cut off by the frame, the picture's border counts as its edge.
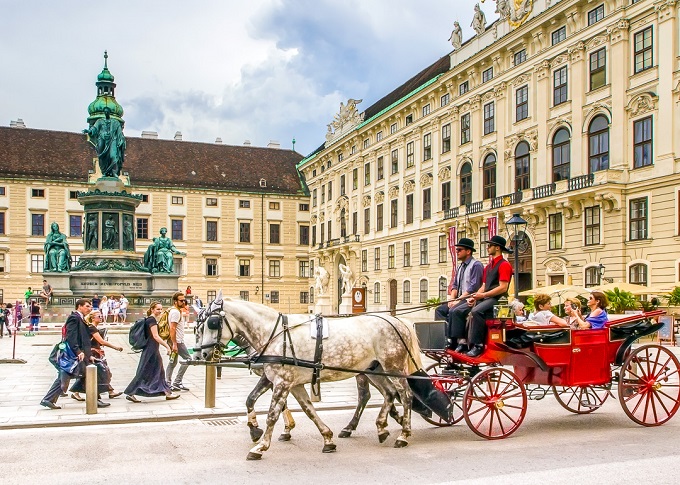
(347, 281)
(91, 241)
(456, 38)
(321, 280)
(478, 21)
(108, 139)
(128, 235)
(57, 253)
(110, 236)
(159, 255)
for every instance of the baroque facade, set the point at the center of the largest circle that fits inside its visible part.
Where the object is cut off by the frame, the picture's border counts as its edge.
(568, 115)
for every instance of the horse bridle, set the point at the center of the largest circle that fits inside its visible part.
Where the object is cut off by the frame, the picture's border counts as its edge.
(214, 320)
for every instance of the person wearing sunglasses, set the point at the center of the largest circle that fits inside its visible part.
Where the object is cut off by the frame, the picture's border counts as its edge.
(177, 319)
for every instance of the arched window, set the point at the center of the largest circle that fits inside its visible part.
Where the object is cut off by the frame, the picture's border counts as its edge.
(598, 144)
(592, 276)
(407, 292)
(376, 292)
(343, 222)
(489, 177)
(637, 274)
(522, 166)
(423, 291)
(443, 286)
(561, 155)
(466, 184)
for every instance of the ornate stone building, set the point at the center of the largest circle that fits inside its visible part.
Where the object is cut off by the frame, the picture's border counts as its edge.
(566, 112)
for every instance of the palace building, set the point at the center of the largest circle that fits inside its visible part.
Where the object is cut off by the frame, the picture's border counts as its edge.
(565, 112)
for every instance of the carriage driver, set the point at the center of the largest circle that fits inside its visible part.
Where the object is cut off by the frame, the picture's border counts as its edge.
(495, 282)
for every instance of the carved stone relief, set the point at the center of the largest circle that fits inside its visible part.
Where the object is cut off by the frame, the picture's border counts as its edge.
(426, 180)
(379, 197)
(393, 192)
(366, 201)
(409, 186)
(642, 104)
(444, 173)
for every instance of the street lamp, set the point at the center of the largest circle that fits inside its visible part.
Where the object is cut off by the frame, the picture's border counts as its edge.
(516, 227)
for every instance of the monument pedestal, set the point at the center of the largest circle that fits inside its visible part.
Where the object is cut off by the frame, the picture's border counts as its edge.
(346, 304)
(323, 305)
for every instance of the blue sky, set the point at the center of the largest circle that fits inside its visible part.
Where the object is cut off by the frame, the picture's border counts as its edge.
(259, 69)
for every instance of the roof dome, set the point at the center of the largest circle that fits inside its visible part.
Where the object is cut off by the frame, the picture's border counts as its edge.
(97, 107)
(105, 75)
(105, 96)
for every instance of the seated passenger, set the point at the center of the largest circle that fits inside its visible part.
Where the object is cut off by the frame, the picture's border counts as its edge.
(543, 313)
(572, 307)
(597, 302)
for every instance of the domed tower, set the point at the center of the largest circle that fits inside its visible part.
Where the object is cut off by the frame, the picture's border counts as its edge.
(105, 97)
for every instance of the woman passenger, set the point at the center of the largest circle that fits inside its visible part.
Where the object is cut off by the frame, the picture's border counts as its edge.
(572, 307)
(597, 302)
(543, 313)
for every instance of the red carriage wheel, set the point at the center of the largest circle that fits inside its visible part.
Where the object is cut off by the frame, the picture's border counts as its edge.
(453, 387)
(649, 385)
(581, 399)
(495, 403)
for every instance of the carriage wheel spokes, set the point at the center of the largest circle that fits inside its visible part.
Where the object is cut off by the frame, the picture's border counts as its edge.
(495, 403)
(581, 399)
(649, 385)
(453, 387)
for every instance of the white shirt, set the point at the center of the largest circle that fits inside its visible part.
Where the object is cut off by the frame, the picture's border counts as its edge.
(123, 303)
(174, 315)
(543, 317)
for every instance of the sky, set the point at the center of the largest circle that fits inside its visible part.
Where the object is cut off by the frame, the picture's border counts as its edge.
(255, 70)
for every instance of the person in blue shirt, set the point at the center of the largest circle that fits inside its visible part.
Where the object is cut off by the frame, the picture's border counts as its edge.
(597, 318)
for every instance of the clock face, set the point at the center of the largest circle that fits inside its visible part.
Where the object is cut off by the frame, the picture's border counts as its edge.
(358, 296)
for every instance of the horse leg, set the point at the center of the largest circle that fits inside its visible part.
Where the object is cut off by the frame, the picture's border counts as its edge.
(363, 394)
(405, 394)
(278, 402)
(389, 392)
(262, 386)
(306, 404)
(289, 423)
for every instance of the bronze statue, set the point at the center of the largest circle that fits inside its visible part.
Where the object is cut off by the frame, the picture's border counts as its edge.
(107, 136)
(57, 253)
(91, 243)
(128, 236)
(159, 256)
(110, 236)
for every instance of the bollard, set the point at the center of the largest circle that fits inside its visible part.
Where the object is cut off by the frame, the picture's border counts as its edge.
(210, 383)
(315, 394)
(91, 394)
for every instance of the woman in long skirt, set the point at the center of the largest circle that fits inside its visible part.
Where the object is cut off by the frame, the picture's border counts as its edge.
(149, 381)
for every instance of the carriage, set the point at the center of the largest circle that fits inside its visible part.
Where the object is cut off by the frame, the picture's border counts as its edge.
(581, 368)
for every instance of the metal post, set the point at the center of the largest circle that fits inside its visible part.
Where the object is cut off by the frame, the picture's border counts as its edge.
(516, 251)
(91, 394)
(210, 383)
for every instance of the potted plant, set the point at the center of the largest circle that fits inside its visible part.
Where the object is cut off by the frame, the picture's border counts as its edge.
(620, 301)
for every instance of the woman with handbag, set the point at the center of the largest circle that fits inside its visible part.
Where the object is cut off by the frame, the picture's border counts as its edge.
(149, 381)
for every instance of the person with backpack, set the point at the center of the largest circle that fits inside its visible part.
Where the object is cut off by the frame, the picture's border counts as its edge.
(177, 320)
(149, 380)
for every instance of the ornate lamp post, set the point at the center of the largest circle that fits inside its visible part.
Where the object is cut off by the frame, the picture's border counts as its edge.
(516, 227)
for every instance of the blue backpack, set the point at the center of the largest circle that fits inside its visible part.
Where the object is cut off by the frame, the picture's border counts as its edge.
(138, 337)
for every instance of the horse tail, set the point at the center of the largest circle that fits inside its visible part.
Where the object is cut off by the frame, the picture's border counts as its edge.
(414, 361)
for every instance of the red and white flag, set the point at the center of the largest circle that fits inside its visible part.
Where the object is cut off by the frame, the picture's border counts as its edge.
(492, 226)
(453, 239)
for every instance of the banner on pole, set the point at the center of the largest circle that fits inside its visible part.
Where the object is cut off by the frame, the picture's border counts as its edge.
(492, 226)
(452, 243)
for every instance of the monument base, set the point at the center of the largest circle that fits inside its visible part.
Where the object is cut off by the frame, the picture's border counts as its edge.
(322, 305)
(346, 304)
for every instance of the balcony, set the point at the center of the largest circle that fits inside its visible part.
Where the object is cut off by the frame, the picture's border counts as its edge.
(474, 207)
(340, 241)
(543, 191)
(581, 182)
(506, 200)
(451, 213)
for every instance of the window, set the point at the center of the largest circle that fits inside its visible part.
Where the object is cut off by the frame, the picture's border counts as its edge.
(427, 146)
(274, 233)
(427, 204)
(489, 118)
(446, 196)
(177, 200)
(2, 223)
(274, 268)
(520, 57)
(423, 291)
(211, 267)
(304, 235)
(378, 136)
(522, 103)
(642, 148)
(463, 88)
(244, 267)
(487, 75)
(314, 198)
(466, 184)
(596, 14)
(244, 204)
(489, 177)
(313, 235)
(483, 236)
(638, 219)
(367, 174)
(304, 297)
(142, 228)
(37, 263)
(592, 276)
(522, 166)
(598, 68)
(323, 233)
(343, 222)
(394, 212)
(211, 230)
(446, 138)
(355, 222)
(376, 259)
(443, 288)
(561, 155)
(407, 254)
(2, 264)
(395, 161)
(364, 260)
(244, 232)
(145, 198)
(409, 209)
(559, 35)
(341, 157)
(3, 191)
(407, 292)
(426, 109)
(465, 128)
(443, 247)
(75, 224)
(211, 202)
(40, 193)
(244, 295)
(444, 100)
(211, 295)
(342, 184)
(592, 225)
(409, 155)
(393, 128)
(329, 227)
(304, 207)
(311, 294)
(367, 220)
(323, 194)
(367, 143)
(355, 179)
(643, 50)
(274, 297)
(376, 292)
(423, 251)
(555, 231)
(391, 249)
(380, 169)
(73, 194)
(330, 191)
(379, 217)
(37, 224)
(598, 144)
(274, 206)
(303, 267)
(409, 119)
(177, 229)
(560, 86)
(637, 274)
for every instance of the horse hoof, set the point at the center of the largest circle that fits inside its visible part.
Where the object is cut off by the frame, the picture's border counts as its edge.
(254, 456)
(329, 448)
(284, 437)
(345, 434)
(400, 444)
(383, 436)
(256, 434)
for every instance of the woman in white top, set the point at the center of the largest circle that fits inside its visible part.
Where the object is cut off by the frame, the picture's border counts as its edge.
(543, 314)
(104, 308)
(115, 309)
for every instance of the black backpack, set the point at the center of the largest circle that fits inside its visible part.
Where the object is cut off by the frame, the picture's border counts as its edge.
(138, 337)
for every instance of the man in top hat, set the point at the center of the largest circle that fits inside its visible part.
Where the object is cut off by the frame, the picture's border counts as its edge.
(466, 279)
(495, 282)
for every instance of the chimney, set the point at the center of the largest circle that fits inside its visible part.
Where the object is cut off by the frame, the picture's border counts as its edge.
(246, 143)
(19, 123)
(218, 141)
(273, 144)
(153, 135)
(178, 136)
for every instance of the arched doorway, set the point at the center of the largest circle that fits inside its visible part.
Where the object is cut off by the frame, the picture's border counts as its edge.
(392, 298)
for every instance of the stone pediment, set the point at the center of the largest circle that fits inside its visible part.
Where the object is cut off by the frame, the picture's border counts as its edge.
(344, 121)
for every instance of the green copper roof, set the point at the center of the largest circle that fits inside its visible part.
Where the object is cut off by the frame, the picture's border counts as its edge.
(97, 107)
(105, 96)
(105, 75)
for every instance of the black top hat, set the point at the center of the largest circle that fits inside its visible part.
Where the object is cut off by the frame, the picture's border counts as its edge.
(500, 242)
(466, 243)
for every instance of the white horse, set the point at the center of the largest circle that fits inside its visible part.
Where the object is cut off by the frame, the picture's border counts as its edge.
(354, 343)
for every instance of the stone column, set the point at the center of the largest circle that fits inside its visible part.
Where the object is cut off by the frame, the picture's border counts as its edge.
(619, 71)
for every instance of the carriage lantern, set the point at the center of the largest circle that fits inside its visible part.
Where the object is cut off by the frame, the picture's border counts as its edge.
(516, 227)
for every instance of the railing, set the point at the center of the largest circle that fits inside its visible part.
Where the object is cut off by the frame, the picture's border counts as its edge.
(451, 213)
(505, 200)
(474, 207)
(581, 182)
(543, 191)
(339, 241)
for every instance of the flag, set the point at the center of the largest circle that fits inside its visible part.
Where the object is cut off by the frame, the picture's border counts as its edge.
(492, 226)
(452, 243)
